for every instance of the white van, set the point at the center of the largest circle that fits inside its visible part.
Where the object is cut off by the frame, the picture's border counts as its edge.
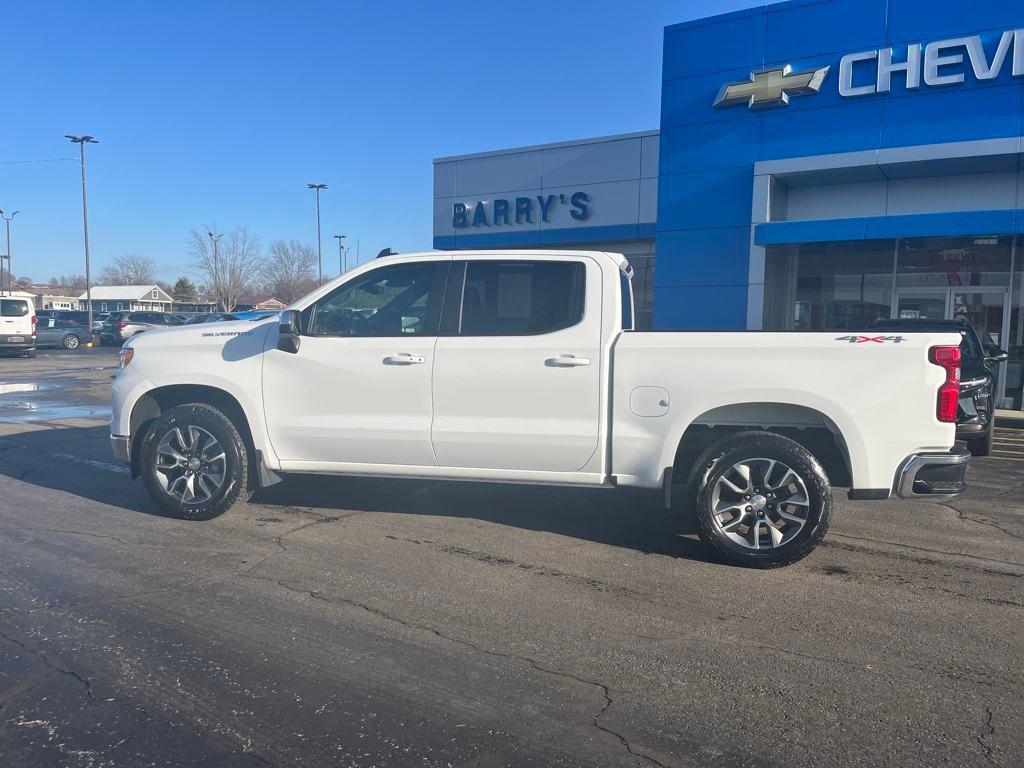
(17, 326)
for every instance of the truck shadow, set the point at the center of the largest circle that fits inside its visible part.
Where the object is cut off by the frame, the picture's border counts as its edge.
(77, 461)
(623, 517)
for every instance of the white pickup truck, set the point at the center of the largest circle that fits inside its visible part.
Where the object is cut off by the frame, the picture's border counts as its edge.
(524, 367)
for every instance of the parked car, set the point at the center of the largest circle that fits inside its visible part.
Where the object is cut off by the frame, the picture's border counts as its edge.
(975, 423)
(524, 367)
(61, 333)
(210, 317)
(120, 326)
(97, 321)
(17, 326)
(75, 316)
(255, 314)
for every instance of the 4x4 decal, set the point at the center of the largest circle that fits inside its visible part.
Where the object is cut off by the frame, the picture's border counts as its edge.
(871, 339)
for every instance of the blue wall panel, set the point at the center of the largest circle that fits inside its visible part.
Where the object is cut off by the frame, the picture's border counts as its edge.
(961, 115)
(707, 154)
(705, 199)
(687, 101)
(846, 128)
(719, 308)
(705, 257)
(706, 146)
(737, 41)
(840, 25)
(912, 20)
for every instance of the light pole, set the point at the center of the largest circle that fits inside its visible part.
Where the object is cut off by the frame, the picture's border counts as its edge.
(81, 141)
(216, 267)
(10, 263)
(342, 254)
(319, 244)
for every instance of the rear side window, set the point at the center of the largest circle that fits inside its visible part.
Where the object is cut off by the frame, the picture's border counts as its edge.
(13, 308)
(522, 298)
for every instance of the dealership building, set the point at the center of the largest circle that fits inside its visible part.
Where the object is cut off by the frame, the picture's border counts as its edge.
(820, 164)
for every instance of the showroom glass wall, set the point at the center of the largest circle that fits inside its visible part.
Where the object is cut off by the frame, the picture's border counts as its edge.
(844, 286)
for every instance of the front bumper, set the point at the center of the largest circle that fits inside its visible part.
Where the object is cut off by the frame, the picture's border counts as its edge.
(932, 475)
(121, 447)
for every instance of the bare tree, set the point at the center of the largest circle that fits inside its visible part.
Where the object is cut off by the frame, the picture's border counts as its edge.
(289, 272)
(132, 269)
(230, 268)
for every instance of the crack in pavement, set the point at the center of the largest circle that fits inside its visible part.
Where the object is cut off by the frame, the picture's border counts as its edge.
(963, 516)
(830, 542)
(50, 664)
(279, 539)
(605, 691)
(120, 541)
(989, 731)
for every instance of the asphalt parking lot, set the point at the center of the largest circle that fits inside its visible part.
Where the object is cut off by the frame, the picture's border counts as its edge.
(397, 623)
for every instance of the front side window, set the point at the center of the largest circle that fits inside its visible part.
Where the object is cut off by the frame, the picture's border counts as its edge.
(13, 308)
(397, 300)
(522, 298)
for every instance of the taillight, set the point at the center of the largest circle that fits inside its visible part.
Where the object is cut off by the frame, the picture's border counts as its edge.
(947, 358)
(34, 321)
(122, 324)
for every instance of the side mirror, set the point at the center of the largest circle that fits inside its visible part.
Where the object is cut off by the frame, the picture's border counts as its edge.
(994, 355)
(289, 332)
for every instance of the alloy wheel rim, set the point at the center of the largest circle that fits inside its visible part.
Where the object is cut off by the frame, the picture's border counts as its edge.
(760, 503)
(191, 465)
(72, 342)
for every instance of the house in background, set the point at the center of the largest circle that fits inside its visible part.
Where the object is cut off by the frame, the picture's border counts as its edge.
(251, 303)
(55, 301)
(114, 298)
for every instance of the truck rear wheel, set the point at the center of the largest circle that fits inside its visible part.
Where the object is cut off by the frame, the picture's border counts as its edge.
(194, 462)
(763, 500)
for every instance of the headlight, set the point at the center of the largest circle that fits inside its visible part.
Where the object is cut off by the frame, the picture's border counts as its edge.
(126, 355)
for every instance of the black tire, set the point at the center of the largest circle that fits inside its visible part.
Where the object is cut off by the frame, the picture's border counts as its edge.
(721, 457)
(982, 446)
(71, 342)
(235, 486)
(31, 353)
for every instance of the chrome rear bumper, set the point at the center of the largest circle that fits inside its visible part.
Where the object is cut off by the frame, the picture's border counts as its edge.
(931, 475)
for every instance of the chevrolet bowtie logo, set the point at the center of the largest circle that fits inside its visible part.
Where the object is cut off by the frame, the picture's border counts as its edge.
(771, 87)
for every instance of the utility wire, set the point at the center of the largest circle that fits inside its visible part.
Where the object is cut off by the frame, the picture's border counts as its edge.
(47, 160)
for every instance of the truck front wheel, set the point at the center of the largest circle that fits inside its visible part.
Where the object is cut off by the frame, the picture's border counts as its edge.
(763, 500)
(194, 462)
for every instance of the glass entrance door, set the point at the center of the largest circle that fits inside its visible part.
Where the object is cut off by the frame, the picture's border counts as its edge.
(922, 305)
(987, 311)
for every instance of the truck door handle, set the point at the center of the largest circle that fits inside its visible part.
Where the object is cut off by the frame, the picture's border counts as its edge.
(404, 359)
(566, 361)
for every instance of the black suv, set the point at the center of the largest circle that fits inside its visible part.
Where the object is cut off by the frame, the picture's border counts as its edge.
(975, 422)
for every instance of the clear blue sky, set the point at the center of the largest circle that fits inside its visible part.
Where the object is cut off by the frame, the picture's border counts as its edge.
(223, 111)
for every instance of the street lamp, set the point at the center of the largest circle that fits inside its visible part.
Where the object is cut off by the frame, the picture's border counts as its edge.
(81, 141)
(215, 239)
(342, 254)
(10, 264)
(319, 244)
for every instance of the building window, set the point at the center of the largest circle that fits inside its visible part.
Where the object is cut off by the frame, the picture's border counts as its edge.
(828, 286)
(155, 293)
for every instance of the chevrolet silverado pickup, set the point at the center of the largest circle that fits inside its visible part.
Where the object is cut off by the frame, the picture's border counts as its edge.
(525, 367)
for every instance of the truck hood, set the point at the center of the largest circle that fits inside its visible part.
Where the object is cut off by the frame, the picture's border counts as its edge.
(200, 333)
(189, 352)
